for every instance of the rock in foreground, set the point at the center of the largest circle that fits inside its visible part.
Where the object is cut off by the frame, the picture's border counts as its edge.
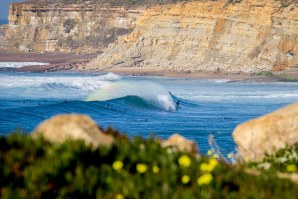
(179, 143)
(267, 134)
(76, 127)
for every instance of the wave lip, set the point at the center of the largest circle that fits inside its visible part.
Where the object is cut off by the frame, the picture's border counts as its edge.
(20, 64)
(152, 93)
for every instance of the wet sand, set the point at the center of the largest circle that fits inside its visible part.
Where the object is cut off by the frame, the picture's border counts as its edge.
(57, 61)
(192, 75)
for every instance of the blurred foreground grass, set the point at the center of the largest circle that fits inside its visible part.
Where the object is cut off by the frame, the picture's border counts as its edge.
(134, 168)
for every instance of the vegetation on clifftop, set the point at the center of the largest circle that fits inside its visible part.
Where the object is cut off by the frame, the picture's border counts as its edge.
(135, 168)
(284, 3)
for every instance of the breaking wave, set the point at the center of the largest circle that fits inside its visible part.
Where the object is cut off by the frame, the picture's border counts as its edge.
(146, 92)
(57, 82)
(20, 64)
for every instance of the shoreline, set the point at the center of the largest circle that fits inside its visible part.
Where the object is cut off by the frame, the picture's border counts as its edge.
(72, 62)
(191, 75)
(57, 61)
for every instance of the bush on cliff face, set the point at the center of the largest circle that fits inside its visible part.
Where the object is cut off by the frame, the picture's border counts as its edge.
(68, 25)
(130, 169)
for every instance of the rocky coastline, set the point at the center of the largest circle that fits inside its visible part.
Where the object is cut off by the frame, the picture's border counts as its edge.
(210, 37)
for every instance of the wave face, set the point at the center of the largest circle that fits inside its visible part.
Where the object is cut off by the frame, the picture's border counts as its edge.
(20, 64)
(152, 93)
(140, 105)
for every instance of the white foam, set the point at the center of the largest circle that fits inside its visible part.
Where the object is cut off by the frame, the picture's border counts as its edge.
(20, 64)
(55, 82)
(218, 80)
(225, 96)
(149, 91)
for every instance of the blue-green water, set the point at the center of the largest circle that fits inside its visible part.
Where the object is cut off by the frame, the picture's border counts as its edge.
(141, 105)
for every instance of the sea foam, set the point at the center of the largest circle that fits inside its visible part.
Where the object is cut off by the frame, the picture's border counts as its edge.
(20, 64)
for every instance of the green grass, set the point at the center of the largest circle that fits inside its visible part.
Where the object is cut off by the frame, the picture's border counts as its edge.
(289, 79)
(137, 168)
(265, 73)
(284, 160)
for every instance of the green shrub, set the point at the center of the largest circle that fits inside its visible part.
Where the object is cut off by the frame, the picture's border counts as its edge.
(68, 25)
(288, 79)
(284, 160)
(265, 73)
(135, 168)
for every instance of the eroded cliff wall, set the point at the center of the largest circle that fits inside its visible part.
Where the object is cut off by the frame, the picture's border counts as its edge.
(82, 27)
(242, 36)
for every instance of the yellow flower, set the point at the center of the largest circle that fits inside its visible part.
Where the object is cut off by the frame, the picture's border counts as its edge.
(247, 159)
(230, 155)
(142, 168)
(213, 162)
(185, 179)
(155, 169)
(209, 152)
(210, 166)
(204, 167)
(119, 196)
(205, 179)
(215, 155)
(184, 161)
(117, 165)
(291, 168)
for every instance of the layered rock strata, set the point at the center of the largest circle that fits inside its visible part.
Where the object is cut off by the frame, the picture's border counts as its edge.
(84, 27)
(218, 36)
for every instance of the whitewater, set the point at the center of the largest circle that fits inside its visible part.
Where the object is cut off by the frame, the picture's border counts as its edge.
(20, 64)
(140, 106)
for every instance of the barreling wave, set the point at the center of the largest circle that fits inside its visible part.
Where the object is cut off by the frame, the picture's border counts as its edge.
(144, 92)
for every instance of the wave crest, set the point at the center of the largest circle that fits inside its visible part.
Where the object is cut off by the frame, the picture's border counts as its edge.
(59, 82)
(151, 92)
(20, 64)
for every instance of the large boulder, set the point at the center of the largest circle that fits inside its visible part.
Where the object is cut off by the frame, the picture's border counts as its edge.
(179, 143)
(267, 134)
(71, 126)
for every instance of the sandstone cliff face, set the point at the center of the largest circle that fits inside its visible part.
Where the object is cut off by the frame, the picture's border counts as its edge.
(244, 36)
(85, 27)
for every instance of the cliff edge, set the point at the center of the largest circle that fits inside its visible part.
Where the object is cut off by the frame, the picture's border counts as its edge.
(68, 26)
(218, 36)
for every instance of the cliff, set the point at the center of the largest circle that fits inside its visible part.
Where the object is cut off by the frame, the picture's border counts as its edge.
(219, 36)
(57, 26)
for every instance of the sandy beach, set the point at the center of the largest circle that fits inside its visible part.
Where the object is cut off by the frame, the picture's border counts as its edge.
(77, 62)
(57, 61)
(192, 75)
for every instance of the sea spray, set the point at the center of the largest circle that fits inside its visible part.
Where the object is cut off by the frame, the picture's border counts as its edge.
(151, 92)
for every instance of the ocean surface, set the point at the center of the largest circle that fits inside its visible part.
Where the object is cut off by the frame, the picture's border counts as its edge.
(141, 105)
(3, 21)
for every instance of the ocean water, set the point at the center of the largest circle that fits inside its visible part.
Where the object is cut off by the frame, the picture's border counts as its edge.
(3, 21)
(141, 105)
